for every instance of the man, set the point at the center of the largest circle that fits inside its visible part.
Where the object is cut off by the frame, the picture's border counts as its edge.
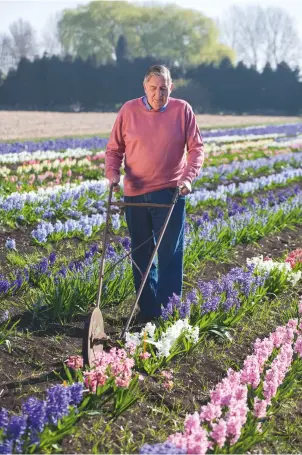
(150, 134)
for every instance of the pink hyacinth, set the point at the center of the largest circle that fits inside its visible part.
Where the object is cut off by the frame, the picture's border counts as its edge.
(263, 350)
(168, 374)
(250, 373)
(114, 364)
(260, 408)
(295, 257)
(300, 307)
(275, 375)
(198, 443)
(219, 432)
(210, 412)
(179, 440)
(234, 426)
(226, 413)
(298, 346)
(75, 362)
(131, 347)
(278, 336)
(192, 423)
(144, 355)
(194, 440)
(168, 385)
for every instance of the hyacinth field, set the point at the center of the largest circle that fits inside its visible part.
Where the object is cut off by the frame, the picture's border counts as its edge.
(219, 372)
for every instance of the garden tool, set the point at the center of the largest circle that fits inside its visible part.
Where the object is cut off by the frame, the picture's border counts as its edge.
(94, 334)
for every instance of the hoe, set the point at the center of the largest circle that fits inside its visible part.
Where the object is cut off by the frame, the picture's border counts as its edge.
(94, 333)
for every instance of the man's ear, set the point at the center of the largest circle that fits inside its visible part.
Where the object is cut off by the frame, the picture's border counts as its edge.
(172, 87)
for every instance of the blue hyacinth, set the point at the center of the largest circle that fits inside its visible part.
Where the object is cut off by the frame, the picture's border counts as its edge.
(57, 403)
(35, 410)
(10, 244)
(164, 448)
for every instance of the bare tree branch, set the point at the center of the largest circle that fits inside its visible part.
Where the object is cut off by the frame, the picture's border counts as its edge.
(261, 36)
(50, 41)
(7, 60)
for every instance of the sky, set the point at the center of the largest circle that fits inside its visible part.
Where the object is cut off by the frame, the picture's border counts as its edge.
(38, 12)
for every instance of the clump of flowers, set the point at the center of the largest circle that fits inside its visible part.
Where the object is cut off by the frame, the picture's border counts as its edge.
(75, 362)
(294, 258)
(19, 431)
(164, 343)
(239, 395)
(113, 365)
(167, 379)
(10, 244)
(268, 266)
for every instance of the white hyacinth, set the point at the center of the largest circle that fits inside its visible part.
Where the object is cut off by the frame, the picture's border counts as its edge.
(168, 338)
(262, 265)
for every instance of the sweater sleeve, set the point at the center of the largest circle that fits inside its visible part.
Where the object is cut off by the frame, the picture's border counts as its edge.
(195, 153)
(115, 148)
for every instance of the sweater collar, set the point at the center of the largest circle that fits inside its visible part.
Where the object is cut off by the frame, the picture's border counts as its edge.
(145, 101)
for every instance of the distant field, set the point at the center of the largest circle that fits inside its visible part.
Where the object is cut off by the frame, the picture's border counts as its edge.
(30, 125)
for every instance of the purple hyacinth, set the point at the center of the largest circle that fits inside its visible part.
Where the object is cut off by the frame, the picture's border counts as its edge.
(174, 303)
(6, 447)
(15, 431)
(192, 297)
(206, 288)
(164, 448)
(4, 286)
(92, 143)
(42, 266)
(52, 258)
(110, 252)
(211, 305)
(126, 242)
(62, 272)
(35, 410)
(185, 309)
(91, 252)
(3, 419)
(4, 316)
(230, 303)
(10, 244)
(76, 393)
(57, 403)
(167, 311)
(94, 249)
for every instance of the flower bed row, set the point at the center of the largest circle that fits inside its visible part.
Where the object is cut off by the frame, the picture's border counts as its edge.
(237, 415)
(112, 384)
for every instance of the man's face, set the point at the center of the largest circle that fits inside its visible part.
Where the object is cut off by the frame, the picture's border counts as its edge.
(157, 90)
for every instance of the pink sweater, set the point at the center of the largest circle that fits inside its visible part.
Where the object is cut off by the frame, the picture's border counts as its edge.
(153, 145)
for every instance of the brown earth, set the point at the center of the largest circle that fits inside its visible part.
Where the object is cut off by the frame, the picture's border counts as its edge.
(36, 124)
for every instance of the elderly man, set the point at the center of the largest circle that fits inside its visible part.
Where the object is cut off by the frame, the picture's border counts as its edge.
(150, 134)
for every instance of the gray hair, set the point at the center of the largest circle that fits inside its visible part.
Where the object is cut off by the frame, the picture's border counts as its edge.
(158, 70)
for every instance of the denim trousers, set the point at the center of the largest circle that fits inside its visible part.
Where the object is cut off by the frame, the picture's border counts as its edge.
(166, 273)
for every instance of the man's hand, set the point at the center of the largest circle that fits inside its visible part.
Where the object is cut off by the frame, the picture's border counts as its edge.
(184, 188)
(115, 180)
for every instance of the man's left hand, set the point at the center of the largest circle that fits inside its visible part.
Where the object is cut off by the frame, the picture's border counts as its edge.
(184, 188)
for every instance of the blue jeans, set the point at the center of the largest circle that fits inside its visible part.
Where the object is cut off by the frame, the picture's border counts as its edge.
(165, 277)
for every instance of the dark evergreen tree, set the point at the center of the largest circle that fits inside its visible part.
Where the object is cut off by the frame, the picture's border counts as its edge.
(121, 50)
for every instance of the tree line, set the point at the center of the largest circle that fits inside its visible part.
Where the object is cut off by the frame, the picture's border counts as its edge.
(72, 84)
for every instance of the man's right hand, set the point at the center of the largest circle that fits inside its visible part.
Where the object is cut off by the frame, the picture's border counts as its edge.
(115, 180)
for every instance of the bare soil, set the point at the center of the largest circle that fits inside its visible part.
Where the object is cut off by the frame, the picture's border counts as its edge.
(39, 124)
